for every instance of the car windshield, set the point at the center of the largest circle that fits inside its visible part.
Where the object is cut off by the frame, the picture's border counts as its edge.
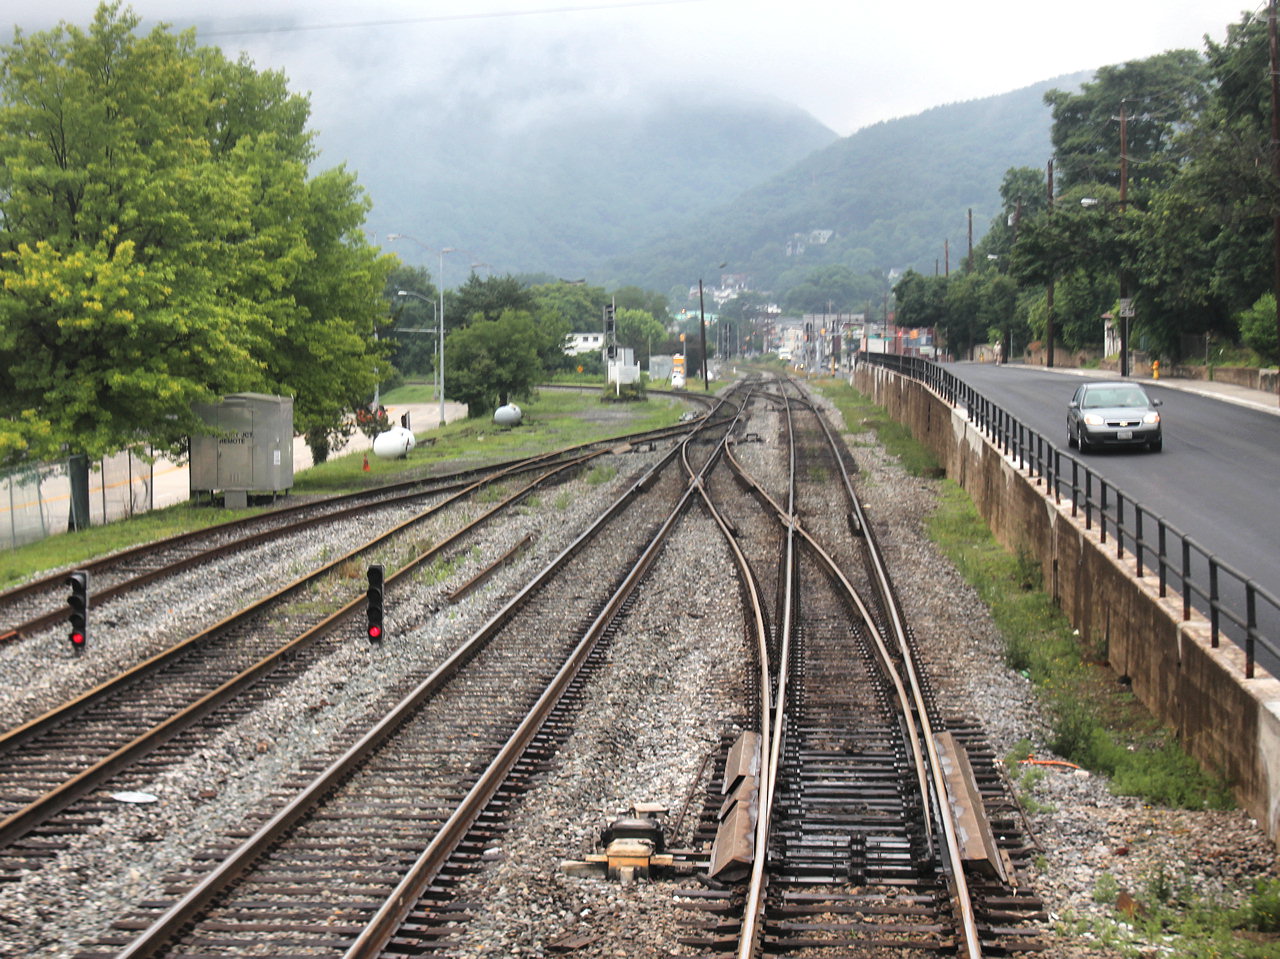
(1114, 396)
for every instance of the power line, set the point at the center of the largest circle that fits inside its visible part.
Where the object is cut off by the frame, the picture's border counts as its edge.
(447, 18)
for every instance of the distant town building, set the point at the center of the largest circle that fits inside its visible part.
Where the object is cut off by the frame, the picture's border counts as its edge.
(800, 242)
(577, 343)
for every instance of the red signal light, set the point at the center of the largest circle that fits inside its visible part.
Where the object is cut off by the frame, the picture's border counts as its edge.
(374, 606)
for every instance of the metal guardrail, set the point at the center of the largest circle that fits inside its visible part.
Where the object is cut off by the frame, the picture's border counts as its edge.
(1231, 601)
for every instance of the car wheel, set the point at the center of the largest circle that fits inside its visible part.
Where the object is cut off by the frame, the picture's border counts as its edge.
(1071, 438)
(1082, 442)
(1156, 445)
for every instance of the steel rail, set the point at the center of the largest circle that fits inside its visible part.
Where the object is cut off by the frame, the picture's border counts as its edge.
(892, 605)
(363, 500)
(39, 810)
(232, 868)
(379, 931)
(927, 765)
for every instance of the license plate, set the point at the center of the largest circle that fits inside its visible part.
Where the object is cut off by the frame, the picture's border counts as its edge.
(1124, 435)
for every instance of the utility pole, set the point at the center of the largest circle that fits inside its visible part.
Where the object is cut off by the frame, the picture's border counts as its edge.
(1275, 151)
(969, 265)
(1049, 317)
(1126, 311)
(702, 326)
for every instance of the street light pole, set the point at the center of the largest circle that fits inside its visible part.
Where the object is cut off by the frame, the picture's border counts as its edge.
(439, 313)
(439, 375)
(440, 325)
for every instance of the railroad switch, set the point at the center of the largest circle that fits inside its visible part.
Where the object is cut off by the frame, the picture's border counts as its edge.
(733, 851)
(634, 847)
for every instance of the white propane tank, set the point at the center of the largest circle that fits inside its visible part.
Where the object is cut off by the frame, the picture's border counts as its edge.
(508, 415)
(394, 444)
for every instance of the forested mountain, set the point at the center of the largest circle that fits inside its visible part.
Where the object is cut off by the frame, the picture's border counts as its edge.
(561, 193)
(889, 197)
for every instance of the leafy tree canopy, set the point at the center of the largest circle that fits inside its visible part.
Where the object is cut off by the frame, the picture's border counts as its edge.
(579, 305)
(485, 298)
(833, 289)
(494, 362)
(161, 243)
(415, 310)
(639, 330)
(1156, 96)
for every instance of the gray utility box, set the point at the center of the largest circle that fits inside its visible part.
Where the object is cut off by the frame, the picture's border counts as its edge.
(252, 450)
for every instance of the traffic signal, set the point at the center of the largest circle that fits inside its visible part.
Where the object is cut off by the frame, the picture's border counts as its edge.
(374, 608)
(609, 325)
(78, 601)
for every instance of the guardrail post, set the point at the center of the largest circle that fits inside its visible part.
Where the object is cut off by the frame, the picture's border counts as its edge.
(1137, 537)
(1213, 602)
(1186, 574)
(1119, 525)
(1162, 557)
(1251, 627)
(1102, 508)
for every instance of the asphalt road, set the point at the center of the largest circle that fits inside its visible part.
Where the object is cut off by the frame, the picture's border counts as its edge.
(1216, 480)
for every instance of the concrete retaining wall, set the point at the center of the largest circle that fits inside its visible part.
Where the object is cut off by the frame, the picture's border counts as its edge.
(1229, 723)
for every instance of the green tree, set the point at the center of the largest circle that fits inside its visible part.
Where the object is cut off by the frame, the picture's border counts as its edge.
(832, 289)
(921, 300)
(1157, 96)
(493, 362)
(162, 244)
(1205, 252)
(579, 305)
(638, 330)
(635, 298)
(412, 352)
(485, 298)
(1258, 328)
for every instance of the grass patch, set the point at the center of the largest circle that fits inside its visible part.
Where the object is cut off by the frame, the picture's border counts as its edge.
(861, 414)
(63, 550)
(1183, 924)
(1095, 722)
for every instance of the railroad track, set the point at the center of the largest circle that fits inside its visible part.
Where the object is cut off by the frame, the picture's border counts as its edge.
(856, 800)
(32, 607)
(49, 763)
(386, 851)
(327, 870)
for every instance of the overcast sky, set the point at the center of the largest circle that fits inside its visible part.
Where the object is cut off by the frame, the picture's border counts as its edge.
(850, 64)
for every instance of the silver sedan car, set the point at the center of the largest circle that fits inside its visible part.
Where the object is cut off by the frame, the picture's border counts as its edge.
(1113, 414)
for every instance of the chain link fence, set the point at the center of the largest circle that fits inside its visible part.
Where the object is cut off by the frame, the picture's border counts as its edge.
(35, 499)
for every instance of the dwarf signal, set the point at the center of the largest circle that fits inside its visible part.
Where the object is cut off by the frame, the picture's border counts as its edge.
(78, 602)
(374, 606)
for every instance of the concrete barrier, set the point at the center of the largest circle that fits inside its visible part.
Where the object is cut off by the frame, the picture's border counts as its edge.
(1230, 724)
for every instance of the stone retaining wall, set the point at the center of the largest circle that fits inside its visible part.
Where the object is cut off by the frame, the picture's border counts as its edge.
(1229, 723)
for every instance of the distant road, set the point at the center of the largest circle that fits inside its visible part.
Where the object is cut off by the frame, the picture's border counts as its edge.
(1216, 480)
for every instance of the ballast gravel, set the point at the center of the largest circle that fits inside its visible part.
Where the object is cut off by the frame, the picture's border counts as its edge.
(666, 675)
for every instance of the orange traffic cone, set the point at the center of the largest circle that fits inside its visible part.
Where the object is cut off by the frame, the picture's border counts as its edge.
(366, 462)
